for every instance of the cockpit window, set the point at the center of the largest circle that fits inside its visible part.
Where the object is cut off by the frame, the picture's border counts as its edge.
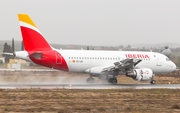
(167, 59)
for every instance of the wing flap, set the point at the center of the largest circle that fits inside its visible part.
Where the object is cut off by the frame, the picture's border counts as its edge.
(126, 64)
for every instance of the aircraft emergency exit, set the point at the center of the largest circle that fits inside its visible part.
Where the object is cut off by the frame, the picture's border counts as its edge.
(106, 65)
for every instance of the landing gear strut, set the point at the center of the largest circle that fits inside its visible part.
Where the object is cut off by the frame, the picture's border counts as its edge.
(112, 80)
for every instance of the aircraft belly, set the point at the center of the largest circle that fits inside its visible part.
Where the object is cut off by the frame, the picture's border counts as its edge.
(81, 67)
(77, 67)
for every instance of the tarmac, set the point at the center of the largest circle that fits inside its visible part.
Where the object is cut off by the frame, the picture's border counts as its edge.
(68, 83)
(89, 86)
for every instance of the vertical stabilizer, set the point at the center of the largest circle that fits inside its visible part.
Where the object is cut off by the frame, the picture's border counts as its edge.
(32, 37)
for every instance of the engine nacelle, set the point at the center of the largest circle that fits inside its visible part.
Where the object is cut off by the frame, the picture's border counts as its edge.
(140, 74)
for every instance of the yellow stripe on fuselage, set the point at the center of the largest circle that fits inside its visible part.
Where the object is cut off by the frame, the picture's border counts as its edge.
(25, 18)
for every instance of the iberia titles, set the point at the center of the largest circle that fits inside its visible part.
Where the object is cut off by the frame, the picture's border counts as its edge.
(138, 56)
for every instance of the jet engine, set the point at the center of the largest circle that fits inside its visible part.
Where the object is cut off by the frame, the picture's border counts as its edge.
(140, 74)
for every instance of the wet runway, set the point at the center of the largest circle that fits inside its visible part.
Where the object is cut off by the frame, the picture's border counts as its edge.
(89, 86)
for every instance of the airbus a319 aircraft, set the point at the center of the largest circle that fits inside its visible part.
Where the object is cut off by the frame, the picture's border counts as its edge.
(106, 65)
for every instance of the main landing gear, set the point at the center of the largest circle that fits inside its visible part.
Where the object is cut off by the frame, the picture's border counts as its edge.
(112, 80)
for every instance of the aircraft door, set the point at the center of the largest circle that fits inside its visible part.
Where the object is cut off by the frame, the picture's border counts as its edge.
(159, 61)
(58, 58)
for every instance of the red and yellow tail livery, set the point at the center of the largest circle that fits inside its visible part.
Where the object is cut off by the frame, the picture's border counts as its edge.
(32, 37)
(38, 49)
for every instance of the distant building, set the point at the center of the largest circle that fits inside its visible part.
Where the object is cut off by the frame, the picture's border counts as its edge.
(15, 63)
(20, 61)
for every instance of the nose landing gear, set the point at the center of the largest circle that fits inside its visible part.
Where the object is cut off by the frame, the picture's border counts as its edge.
(153, 82)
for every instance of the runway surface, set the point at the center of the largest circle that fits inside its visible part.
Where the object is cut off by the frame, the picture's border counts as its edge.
(89, 86)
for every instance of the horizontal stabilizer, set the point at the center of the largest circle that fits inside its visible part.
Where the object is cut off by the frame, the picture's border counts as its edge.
(10, 54)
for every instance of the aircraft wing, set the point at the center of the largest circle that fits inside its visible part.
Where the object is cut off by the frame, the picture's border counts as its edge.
(123, 65)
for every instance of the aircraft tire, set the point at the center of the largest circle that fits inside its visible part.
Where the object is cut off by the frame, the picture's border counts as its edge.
(90, 80)
(153, 82)
(114, 81)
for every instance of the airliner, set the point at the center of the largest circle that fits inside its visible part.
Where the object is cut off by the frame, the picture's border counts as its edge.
(106, 65)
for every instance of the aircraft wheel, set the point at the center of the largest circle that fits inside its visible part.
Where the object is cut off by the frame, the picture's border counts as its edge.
(153, 82)
(114, 81)
(90, 80)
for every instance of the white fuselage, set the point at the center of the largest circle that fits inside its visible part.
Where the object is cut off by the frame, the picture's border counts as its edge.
(81, 60)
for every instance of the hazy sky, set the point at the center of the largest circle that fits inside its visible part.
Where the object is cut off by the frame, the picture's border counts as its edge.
(95, 22)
